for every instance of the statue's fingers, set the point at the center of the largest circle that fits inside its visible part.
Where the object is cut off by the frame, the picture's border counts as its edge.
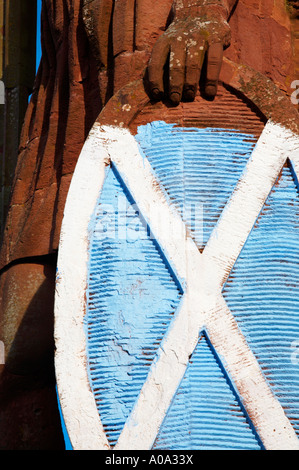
(156, 66)
(194, 60)
(177, 62)
(214, 62)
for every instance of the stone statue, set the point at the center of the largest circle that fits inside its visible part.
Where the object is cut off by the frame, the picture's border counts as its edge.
(91, 49)
(195, 27)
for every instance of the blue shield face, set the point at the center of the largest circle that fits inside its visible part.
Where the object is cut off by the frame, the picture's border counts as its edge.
(134, 292)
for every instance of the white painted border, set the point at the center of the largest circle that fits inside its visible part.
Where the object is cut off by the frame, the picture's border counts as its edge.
(76, 398)
(203, 306)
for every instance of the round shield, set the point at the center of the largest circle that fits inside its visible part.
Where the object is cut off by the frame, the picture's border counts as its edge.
(176, 312)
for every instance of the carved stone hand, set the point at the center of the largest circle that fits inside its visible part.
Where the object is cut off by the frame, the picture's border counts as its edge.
(195, 32)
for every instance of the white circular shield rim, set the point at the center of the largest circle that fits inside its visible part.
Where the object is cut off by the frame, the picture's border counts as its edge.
(203, 275)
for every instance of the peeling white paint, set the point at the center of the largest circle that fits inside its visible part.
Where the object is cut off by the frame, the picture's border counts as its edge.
(77, 401)
(202, 275)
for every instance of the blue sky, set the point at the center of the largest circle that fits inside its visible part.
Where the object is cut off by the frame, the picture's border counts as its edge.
(38, 44)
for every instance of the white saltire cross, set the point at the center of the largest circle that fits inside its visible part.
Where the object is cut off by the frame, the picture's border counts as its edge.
(201, 274)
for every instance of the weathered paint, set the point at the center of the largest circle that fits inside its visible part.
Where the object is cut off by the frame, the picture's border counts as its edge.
(78, 408)
(203, 305)
(262, 291)
(201, 276)
(131, 299)
(198, 168)
(131, 294)
(206, 413)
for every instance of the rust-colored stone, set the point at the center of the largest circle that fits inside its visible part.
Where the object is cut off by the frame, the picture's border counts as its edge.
(68, 98)
(29, 414)
(261, 39)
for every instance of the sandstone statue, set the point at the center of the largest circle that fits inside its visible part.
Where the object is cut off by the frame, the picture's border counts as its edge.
(91, 49)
